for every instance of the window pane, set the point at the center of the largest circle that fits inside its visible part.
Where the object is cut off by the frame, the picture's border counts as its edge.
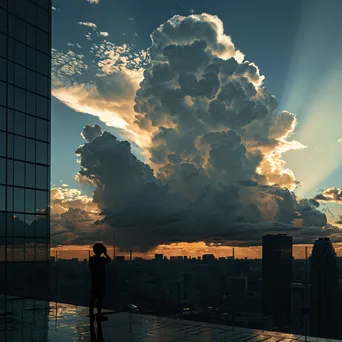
(30, 225)
(3, 93)
(19, 199)
(19, 123)
(29, 249)
(9, 249)
(18, 249)
(20, 76)
(30, 103)
(29, 201)
(42, 177)
(3, 44)
(3, 144)
(20, 100)
(19, 173)
(41, 130)
(2, 224)
(31, 13)
(41, 250)
(41, 152)
(20, 8)
(30, 175)
(42, 40)
(9, 222)
(10, 47)
(31, 36)
(19, 147)
(42, 85)
(9, 201)
(41, 201)
(2, 198)
(10, 121)
(3, 118)
(2, 254)
(31, 59)
(30, 126)
(10, 146)
(11, 72)
(42, 107)
(20, 53)
(10, 96)
(3, 69)
(2, 170)
(31, 80)
(30, 150)
(20, 29)
(9, 172)
(11, 25)
(18, 225)
(41, 226)
(3, 21)
(43, 63)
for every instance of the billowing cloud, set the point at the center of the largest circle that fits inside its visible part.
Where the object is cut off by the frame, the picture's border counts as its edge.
(104, 34)
(94, 1)
(146, 211)
(73, 216)
(340, 140)
(330, 195)
(110, 95)
(87, 24)
(213, 138)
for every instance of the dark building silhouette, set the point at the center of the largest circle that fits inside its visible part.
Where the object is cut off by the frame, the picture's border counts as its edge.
(25, 58)
(158, 256)
(277, 277)
(324, 290)
(208, 257)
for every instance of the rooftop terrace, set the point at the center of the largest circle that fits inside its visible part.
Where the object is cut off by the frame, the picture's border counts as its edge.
(24, 320)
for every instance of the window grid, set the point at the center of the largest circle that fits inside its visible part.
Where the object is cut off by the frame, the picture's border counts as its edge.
(25, 130)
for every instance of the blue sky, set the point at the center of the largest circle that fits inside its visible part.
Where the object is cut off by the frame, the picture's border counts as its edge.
(295, 44)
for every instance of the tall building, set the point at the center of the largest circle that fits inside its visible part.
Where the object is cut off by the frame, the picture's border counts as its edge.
(277, 277)
(298, 305)
(324, 290)
(25, 87)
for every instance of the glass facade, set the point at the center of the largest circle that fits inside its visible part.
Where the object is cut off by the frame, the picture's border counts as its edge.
(25, 87)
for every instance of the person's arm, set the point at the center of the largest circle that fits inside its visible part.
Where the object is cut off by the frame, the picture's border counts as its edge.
(108, 259)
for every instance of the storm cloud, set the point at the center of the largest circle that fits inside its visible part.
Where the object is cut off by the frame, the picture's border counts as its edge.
(214, 170)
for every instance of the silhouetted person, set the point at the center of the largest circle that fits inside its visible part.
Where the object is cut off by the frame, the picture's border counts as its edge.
(97, 264)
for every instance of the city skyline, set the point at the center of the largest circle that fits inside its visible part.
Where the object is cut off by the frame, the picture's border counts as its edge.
(181, 137)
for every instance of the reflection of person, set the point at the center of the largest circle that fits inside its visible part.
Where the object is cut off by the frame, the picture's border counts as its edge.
(97, 264)
(99, 337)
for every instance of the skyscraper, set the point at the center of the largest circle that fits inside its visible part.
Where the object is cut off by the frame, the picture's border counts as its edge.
(323, 290)
(25, 87)
(277, 277)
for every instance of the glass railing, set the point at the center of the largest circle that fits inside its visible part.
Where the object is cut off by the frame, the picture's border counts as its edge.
(224, 290)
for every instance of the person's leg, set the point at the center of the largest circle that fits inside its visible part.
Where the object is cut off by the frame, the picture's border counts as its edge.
(99, 305)
(91, 306)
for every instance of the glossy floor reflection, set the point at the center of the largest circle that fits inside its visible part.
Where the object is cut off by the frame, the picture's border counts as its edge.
(23, 320)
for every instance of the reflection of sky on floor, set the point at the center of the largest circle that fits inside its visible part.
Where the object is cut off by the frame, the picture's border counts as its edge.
(24, 320)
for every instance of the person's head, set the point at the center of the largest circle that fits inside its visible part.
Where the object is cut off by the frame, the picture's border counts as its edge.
(98, 248)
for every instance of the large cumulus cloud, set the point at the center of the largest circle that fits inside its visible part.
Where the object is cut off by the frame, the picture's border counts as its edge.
(215, 142)
(145, 211)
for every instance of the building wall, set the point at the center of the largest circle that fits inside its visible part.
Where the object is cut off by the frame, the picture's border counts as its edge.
(25, 88)
(277, 277)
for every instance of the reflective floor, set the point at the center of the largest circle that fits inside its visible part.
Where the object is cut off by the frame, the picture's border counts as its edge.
(35, 320)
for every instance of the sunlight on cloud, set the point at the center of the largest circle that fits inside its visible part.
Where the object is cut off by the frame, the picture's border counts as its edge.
(316, 99)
